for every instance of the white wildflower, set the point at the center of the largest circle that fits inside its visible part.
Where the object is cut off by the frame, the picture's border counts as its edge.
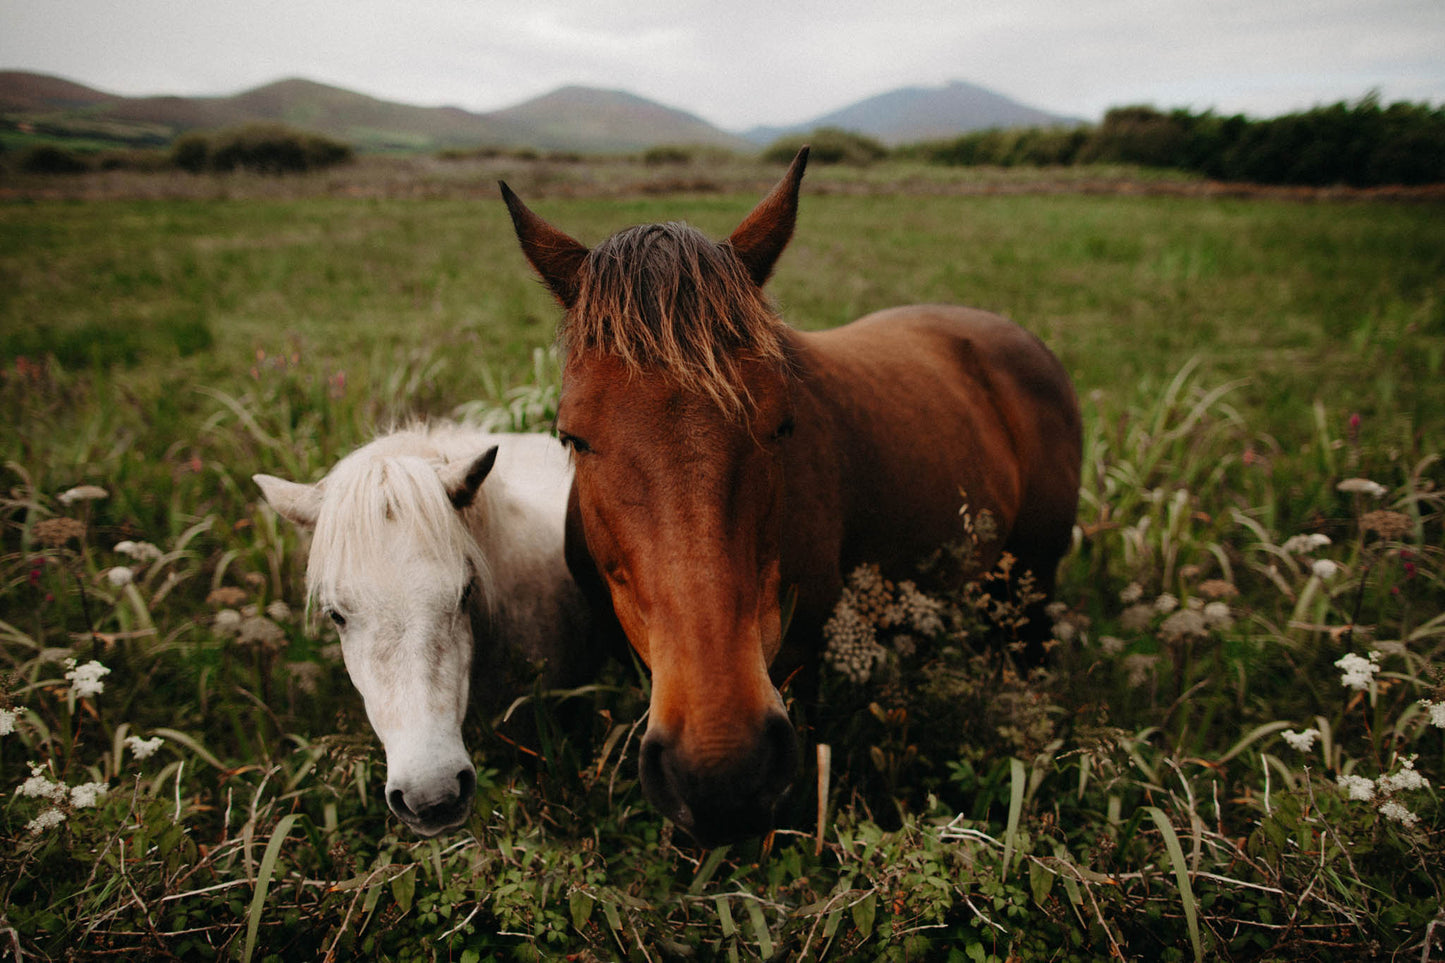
(87, 794)
(1300, 544)
(228, 622)
(1406, 778)
(120, 576)
(1436, 710)
(923, 614)
(1111, 644)
(853, 650)
(1165, 604)
(51, 817)
(1324, 569)
(41, 787)
(1357, 787)
(1301, 741)
(1362, 486)
(1136, 617)
(279, 611)
(1131, 593)
(1184, 624)
(7, 721)
(85, 679)
(1359, 671)
(1396, 811)
(1217, 615)
(140, 551)
(83, 493)
(143, 748)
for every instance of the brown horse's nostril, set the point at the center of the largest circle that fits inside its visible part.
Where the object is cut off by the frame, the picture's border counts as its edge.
(722, 802)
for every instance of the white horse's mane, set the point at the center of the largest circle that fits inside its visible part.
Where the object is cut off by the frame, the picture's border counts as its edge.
(391, 485)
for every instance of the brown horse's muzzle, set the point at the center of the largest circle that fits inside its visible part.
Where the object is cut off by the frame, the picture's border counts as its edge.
(723, 801)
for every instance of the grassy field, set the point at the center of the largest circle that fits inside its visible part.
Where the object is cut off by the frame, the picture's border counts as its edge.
(1247, 365)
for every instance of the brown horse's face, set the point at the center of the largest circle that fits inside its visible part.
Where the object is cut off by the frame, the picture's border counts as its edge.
(679, 497)
(681, 503)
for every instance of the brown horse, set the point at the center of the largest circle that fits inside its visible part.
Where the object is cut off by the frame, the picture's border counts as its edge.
(726, 462)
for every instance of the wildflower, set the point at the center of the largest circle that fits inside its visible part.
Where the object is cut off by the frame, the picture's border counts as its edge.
(1385, 523)
(227, 622)
(1165, 604)
(1218, 616)
(7, 721)
(87, 794)
(1301, 741)
(1393, 809)
(1111, 644)
(51, 817)
(1359, 671)
(1362, 486)
(85, 679)
(1324, 569)
(1406, 778)
(143, 748)
(262, 632)
(1437, 712)
(1300, 544)
(853, 650)
(1183, 624)
(41, 787)
(1217, 588)
(1357, 787)
(55, 532)
(83, 493)
(140, 551)
(120, 576)
(226, 596)
(921, 613)
(279, 611)
(1136, 617)
(1131, 593)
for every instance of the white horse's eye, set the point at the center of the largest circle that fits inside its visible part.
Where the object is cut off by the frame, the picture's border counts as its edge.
(336, 617)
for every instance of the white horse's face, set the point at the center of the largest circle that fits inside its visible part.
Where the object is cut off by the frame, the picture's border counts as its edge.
(400, 579)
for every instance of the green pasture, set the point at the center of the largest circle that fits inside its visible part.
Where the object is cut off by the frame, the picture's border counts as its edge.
(1254, 371)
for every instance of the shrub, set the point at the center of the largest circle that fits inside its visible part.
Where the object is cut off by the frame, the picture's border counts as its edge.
(50, 159)
(260, 148)
(828, 145)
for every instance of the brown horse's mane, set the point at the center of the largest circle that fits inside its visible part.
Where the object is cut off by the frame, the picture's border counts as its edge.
(667, 296)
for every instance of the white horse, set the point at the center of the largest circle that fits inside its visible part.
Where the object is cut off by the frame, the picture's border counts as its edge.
(435, 580)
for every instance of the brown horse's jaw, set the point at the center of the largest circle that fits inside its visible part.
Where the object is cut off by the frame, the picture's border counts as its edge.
(722, 804)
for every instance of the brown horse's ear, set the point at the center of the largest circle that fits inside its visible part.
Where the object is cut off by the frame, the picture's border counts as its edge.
(556, 257)
(462, 479)
(763, 234)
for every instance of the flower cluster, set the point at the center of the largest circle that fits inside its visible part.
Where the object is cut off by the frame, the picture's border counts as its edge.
(40, 786)
(85, 679)
(1384, 790)
(870, 604)
(1358, 671)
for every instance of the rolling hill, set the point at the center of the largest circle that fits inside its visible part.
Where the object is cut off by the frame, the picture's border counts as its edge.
(912, 114)
(577, 119)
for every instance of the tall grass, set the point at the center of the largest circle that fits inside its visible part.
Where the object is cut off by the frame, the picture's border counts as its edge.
(1186, 781)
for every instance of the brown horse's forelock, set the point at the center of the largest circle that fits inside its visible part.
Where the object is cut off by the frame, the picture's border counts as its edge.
(666, 296)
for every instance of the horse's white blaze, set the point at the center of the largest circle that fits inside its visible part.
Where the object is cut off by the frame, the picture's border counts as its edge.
(410, 577)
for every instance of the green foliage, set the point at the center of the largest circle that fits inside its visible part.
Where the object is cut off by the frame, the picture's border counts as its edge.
(261, 148)
(52, 159)
(828, 145)
(975, 811)
(1360, 145)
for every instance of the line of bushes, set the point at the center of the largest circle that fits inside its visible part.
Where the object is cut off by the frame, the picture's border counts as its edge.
(259, 148)
(1364, 144)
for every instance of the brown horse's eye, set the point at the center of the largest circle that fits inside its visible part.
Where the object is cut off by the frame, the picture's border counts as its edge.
(572, 441)
(785, 430)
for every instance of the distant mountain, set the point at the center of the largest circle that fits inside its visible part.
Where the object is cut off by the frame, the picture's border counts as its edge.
(610, 120)
(573, 118)
(581, 119)
(911, 114)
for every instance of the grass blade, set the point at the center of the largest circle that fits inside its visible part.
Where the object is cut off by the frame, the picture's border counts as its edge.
(1181, 875)
(1015, 809)
(263, 881)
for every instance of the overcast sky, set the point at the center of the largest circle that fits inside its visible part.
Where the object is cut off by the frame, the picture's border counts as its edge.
(745, 62)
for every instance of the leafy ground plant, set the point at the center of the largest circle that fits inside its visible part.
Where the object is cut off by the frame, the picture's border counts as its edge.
(1234, 753)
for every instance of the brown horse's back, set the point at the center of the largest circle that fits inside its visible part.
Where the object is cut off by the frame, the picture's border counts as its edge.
(908, 414)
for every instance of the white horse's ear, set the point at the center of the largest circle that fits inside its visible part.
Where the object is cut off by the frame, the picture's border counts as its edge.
(300, 504)
(462, 479)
